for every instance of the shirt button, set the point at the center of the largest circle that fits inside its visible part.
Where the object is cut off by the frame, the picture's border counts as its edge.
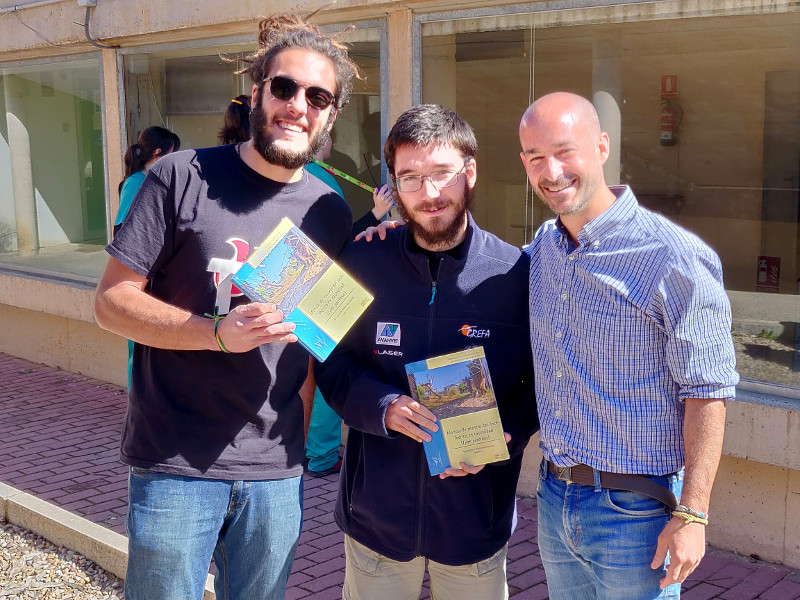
(559, 373)
(556, 451)
(564, 295)
(558, 413)
(558, 335)
(571, 257)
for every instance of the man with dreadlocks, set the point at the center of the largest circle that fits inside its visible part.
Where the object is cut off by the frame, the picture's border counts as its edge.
(214, 429)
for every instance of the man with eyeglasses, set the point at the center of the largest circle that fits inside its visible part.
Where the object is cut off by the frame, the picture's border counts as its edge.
(214, 429)
(437, 285)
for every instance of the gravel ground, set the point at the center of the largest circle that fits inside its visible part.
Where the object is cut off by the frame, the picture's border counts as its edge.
(33, 568)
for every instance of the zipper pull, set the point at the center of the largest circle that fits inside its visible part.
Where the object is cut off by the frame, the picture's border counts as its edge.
(433, 293)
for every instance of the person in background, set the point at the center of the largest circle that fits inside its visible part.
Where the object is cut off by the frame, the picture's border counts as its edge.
(237, 121)
(320, 173)
(325, 426)
(383, 197)
(153, 143)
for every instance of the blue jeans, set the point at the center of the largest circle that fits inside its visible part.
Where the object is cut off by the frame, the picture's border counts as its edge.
(598, 543)
(176, 524)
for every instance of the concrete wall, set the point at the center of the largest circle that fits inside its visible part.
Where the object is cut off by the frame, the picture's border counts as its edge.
(52, 324)
(755, 505)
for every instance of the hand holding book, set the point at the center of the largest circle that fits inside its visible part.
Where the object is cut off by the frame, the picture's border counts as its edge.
(250, 325)
(467, 469)
(457, 388)
(290, 271)
(405, 415)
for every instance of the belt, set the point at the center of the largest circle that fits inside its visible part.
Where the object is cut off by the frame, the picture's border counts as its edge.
(584, 475)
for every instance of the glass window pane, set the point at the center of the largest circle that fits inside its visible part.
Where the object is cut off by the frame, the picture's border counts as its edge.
(52, 177)
(702, 105)
(186, 91)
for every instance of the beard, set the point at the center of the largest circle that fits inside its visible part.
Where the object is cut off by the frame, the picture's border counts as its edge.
(265, 144)
(441, 237)
(588, 189)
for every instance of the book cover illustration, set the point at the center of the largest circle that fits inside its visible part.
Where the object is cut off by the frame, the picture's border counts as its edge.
(289, 270)
(457, 389)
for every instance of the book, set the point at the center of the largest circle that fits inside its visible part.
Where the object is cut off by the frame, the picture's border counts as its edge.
(457, 389)
(290, 271)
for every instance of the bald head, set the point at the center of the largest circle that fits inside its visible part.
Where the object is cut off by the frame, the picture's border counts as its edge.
(572, 110)
(564, 150)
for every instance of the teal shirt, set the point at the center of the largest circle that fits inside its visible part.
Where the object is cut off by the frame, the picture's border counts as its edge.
(325, 177)
(129, 189)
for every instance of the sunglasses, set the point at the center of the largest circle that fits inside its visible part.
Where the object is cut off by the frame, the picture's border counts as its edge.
(285, 88)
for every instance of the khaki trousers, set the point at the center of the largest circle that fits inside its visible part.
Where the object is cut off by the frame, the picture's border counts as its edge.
(369, 576)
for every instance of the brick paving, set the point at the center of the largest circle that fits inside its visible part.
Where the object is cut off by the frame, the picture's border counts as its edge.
(59, 437)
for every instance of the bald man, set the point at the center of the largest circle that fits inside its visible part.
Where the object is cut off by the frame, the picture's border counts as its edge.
(634, 361)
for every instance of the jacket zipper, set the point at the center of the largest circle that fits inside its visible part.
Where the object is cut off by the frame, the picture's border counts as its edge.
(423, 462)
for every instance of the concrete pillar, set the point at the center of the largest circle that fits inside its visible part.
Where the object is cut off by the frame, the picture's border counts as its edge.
(398, 33)
(19, 144)
(607, 97)
(114, 143)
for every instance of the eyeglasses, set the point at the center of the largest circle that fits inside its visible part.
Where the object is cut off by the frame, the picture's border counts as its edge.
(285, 88)
(440, 179)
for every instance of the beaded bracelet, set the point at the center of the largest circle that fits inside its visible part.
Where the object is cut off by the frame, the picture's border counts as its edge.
(689, 518)
(217, 318)
(682, 508)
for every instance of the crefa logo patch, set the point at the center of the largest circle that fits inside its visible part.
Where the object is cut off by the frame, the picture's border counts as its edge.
(388, 334)
(471, 331)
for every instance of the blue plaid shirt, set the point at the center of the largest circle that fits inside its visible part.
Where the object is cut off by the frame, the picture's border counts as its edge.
(624, 327)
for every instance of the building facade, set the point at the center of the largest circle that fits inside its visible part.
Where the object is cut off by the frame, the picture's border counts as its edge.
(701, 100)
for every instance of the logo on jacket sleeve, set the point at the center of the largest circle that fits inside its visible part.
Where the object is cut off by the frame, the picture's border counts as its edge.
(388, 334)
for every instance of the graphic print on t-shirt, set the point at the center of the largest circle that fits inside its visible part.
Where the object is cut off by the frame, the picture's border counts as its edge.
(223, 270)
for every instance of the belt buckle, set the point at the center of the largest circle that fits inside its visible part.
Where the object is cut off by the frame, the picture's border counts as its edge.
(564, 474)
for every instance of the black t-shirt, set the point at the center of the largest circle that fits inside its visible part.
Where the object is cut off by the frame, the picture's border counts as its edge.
(196, 218)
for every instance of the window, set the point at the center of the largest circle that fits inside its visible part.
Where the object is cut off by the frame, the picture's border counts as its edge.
(52, 175)
(702, 105)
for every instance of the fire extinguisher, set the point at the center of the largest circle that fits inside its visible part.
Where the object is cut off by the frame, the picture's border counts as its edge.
(671, 117)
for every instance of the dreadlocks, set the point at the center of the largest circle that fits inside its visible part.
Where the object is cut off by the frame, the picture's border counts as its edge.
(281, 32)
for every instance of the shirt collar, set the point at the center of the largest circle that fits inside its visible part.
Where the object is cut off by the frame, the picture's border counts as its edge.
(620, 212)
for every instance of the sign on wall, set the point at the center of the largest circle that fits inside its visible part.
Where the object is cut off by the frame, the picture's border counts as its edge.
(768, 277)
